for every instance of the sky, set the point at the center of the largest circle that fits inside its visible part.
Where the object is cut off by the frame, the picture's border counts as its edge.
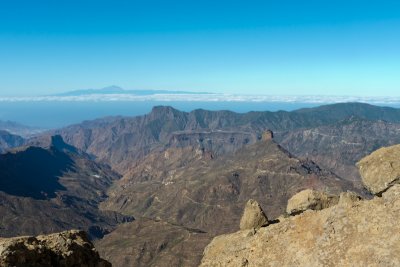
(311, 47)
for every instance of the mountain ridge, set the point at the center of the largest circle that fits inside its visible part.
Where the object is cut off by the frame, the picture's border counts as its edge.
(119, 140)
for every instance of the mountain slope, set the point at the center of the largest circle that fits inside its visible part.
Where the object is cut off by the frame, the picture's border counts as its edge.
(146, 242)
(199, 192)
(337, 147)
(44, 190)
(187, 188)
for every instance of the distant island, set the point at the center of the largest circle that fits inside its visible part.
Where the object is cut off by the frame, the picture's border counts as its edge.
(116, 90)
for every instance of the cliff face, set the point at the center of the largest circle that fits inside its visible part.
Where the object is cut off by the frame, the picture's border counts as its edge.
(353, 232)
(65, 249)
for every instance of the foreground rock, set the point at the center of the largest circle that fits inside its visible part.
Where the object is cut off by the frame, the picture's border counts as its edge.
(330, 231)
(310, 200)
(381, 169)
(69, 248)
(359, 233)
(253, 216)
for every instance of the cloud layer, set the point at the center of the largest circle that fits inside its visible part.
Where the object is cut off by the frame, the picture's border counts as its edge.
(206, 98)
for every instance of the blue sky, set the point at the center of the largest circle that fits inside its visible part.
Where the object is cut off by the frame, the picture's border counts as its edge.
(308, 47)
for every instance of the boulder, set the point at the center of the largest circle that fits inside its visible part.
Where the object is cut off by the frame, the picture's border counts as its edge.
(253, 216)
(381, 169)
(310, 200)
(69, 248)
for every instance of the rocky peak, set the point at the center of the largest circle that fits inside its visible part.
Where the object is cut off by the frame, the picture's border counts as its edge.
(56, 141)
(52, 142)
(164, 112)
(267, 135)
(69, 248)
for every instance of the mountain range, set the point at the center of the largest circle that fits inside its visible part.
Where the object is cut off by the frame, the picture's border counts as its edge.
(153, 190)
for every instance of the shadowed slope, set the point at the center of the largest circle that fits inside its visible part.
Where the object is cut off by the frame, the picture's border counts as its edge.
(53, 188)
(33, 173)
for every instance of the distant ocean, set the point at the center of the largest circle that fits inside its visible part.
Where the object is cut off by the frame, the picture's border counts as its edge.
(55, 114)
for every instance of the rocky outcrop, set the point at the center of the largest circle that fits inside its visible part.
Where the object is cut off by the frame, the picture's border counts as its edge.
(354, 232)
(310, 200)
(253, 216)
(381, 169)
(65, 249)
(267, 135)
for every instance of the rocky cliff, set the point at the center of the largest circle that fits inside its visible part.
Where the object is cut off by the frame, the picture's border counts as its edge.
(66, 249)
(353, 232)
